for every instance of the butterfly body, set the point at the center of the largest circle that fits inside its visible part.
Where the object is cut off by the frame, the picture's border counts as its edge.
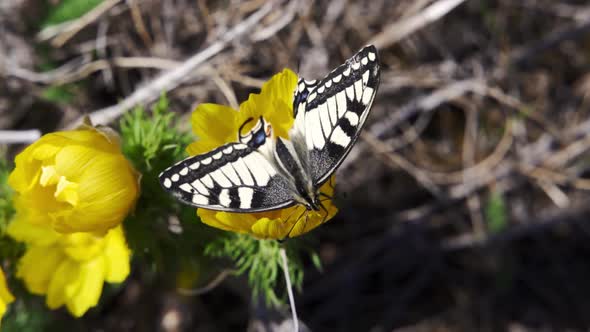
(261, 171)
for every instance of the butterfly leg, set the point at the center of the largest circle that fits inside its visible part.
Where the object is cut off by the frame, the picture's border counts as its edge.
(296, 221)
(291, 214)
(325, 210)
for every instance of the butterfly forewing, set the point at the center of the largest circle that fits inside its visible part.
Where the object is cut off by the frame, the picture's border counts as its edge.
(302, 91)
(336, 110)
(234, 177)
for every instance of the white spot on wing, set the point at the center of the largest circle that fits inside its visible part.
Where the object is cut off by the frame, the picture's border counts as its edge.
(311, 97)
(175, 177)
(224, 198)
(206, 161)
(245, 195)
(260, 174)
(264, 163)
(218, 155)
(339, 137)
(332, 109)
(367, 95)
(328, 83)
(187, 187)
(229, 171)
(341, 103)
(321, 89)
(308, 126)
(301, 108)
(200, 200)
(325, 119)
(358, 89)
(184, 171)
(301, 87)
(218, 176)
(243, 172)
(365, 77)
(207, 181)
(371, 56)
(350, 92)
(200, 187)
(364, 61)
(356, 65)
(167, 183)
(337, 78)
(194, 166)
(228, 150)
(352, 118)
(346, 72)
(315, 129)
(240, 146)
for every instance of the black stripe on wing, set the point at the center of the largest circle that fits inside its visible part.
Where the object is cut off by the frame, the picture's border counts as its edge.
(233, 178)
(336, 111)
(302, 91)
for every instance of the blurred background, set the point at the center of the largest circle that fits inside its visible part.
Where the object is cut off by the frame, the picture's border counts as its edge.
(463, 207)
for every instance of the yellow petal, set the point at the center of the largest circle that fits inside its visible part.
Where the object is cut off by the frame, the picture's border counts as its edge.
(87, 137)
(280, 87)
(48, 176)
(73, 160)
(23, 231)
(274, 103)
(82, 246)
(64, 283)
(38, 266)
(26, 173)
(5, 296)
(107, 191)
(271, 228)
(67, 191)
(60, 177)
(89, 288)
(235, 222)
(214, 125)
(117, 256)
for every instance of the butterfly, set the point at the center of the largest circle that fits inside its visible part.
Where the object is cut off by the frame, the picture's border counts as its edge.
(260, 172)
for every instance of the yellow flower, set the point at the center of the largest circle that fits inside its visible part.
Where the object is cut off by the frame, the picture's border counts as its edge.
(216, 125)
(70, 269)
(5, 296)
(74, 181)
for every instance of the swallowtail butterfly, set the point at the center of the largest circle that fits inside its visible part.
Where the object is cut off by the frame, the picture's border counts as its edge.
(261, 172)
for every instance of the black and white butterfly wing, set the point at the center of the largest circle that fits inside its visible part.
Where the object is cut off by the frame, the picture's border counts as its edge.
(234, 177)
(304, 88)
(333, 113)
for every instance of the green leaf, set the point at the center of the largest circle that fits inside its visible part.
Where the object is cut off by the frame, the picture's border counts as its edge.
(152, 142)
(58, 94)
(262, 261)
(495, 213)
(68, 10)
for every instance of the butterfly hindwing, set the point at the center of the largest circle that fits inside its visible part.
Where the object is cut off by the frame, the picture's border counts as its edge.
(336, 110)
(234, 177)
